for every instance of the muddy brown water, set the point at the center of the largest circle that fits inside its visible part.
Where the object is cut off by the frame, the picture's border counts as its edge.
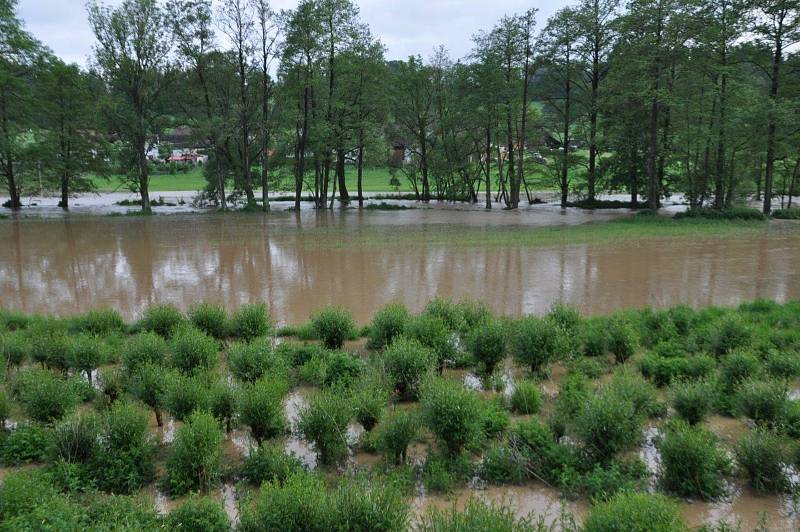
(295, 264)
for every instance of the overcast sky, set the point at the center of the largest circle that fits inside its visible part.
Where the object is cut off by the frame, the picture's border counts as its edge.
(406, 27)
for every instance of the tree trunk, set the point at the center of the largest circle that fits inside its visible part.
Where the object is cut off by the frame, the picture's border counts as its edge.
(344, 196)
(769, 171)
(488, 167)
(360, 175)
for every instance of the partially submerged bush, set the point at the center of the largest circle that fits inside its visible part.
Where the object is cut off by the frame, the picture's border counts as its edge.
(14, 349)
(760, 453)
(251, 321)
(476, 515)
(535, 342)
(199, 513)
(621, 339)
(269, 463)
(370, 396)
(388, 323)
(433, 333)
(565, 316)
(25, 444)
(447, 311)
(43, 396)
(407, 363)
(184, 394)
(762, 401)
(728, 334)
(629, 386)
(100, 322)
(209, 318)
(148, 383)
(125, 461)
(50, 346)
(692, 462)
(324, 424)
(333, 325)
(192, 350)
(607, 424)
(194, 463)
(635, 512)
(261, 408)
(692, 400)
(396, 432)
(488, 345)
(452, 413)
(77, 438)
(86, 354)
(253, 360)
(595, 337)
(162, 319)
(144, 348)
(526, 398)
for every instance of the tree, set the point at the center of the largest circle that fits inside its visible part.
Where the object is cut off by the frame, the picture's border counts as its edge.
(132, 53)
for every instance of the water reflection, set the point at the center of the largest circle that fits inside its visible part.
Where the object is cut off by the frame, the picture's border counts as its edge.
(294, 262)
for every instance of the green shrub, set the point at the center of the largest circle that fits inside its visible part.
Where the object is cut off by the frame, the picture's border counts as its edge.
(324, 424)
(50, 347)
(192, 350)
(783, 365)
(487, 344)
(395, 433)
(5, 408)
(657, 327)
(762, 456)
(149, 385)
(635, 512)
(387, 323)
(251, 361)
(77, 438)
(452, 413)
(607, 424)
(13, 321)
(185, 394)
(526, 398)
(736, 368)
(762, 401)
(786, 214)
(407, 362)
(202, 514)
(474, 312)
(194, 462)
(224, 402)
(162, 319)
(631, 387)
(100, 322)
(251, 321)
(564, 316)
(595, 337)
(621, 339)
(144, 348)
(791, 419)
(605, 480)
(14, 349)
(86, 353)
(573, 392)
(43, 396)
(433, 333)
(261, 408)
(209, 318)
(342, 369)
(494, 417)
(728, 334)
(442, 472)
(503, 464)
(535, 342)
(333, 325)
(269, 463)
(125, 461)
(476, 515)
(664, 370)
(447, 311)
(369, 399)
(363, 507)
(25, 444)
(301, 504)
(692, 462)
(692, 401)
(731, 213)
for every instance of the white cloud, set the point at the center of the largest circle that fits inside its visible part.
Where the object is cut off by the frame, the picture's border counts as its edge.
(406, 27)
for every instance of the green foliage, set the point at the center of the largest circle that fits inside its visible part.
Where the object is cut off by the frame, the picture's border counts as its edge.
(535, 342)
(494, 417)
(324, 424)
(269, 463)
(786, 214)
(629, 386)
(342, 369)
(261, 408)
(149, 385)
(407, 362)
(452, 413)
(50, 346)
(251, 321)
(761, 455)
(202, 514)
(223, 402)
(441, 472)
(564, 316)
(526, 398)
(732, 213)
(210, 318)
(388, 322)
(736, 368)
(125, 461)
(14, 349)
(43, 396)
(487, 344)
(5, 407)
(396, 432)
(433, 332)
(782, 365)
(253, 360)
(573, 392)
(365, 507)
(503, 464)
(86, 353)
(605, 480)
(664, 370)
(635, 512)
(185, 394)
(607, 424)
(163, 320)
(77, 438)
(191, 350)
(595, 337)
(447, 311)
(692, 462)
(299, 504)
(728, 334)
(370, 396)
(692, 401)
(101, 322)
(476, 515)
(621, 339)
(195, 458)
(144, 348)
(25, 444)
(333, 325)
(763, 401)
(474, 312)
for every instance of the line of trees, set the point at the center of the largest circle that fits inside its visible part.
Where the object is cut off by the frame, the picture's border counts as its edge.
(650, 98)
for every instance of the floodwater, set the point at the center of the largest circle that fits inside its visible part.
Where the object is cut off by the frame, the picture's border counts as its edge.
(299, 262)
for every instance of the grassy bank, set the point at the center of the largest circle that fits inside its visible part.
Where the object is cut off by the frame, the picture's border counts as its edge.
(439, 398)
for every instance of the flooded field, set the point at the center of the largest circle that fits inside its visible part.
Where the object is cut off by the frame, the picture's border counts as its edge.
(301, 262)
